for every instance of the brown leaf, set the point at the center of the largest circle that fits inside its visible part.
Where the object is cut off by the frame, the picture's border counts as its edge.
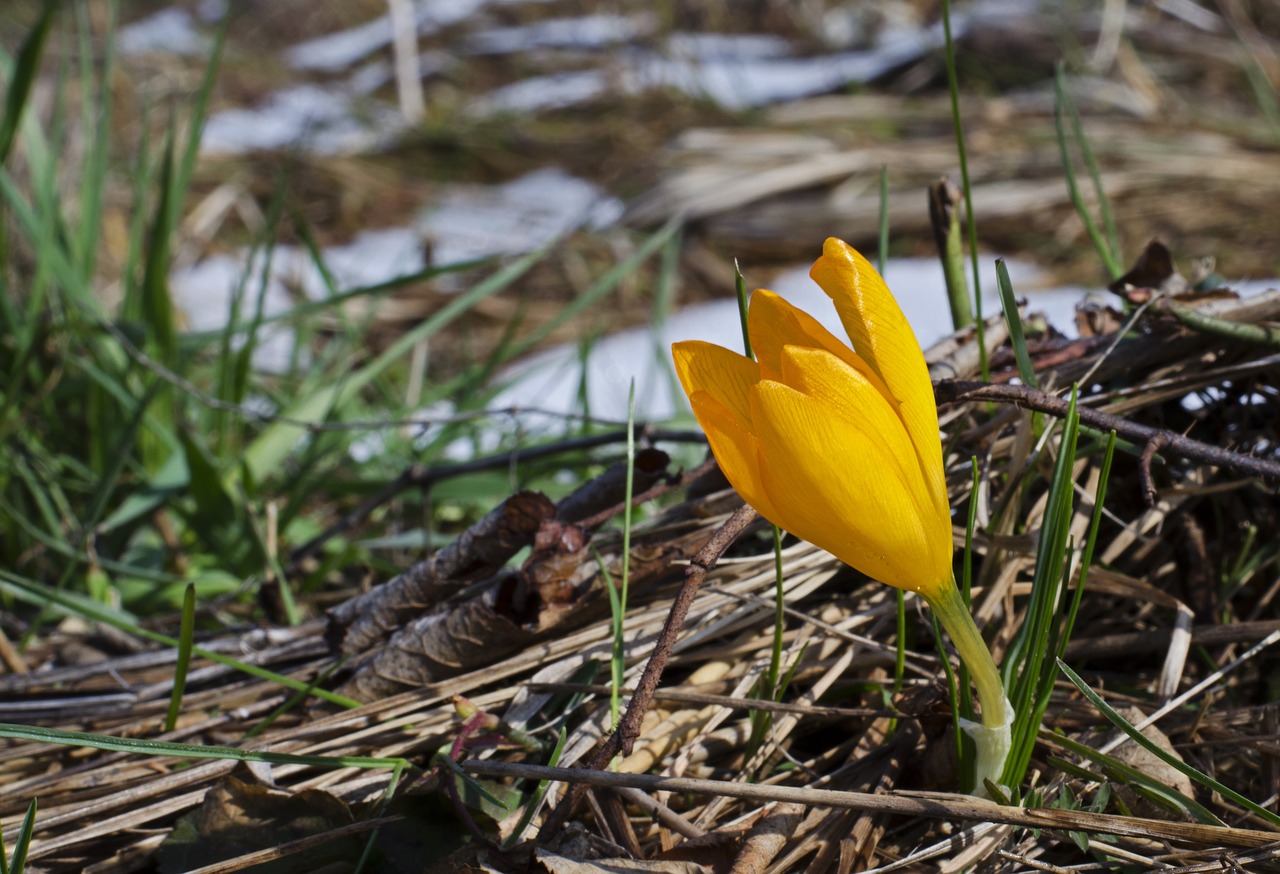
(240, 816)
(358, 624)
(610, 488)
(1152, 273)
(454, 639)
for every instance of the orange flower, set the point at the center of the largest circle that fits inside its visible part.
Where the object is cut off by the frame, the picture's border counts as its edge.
(840, 447)
(836, 446)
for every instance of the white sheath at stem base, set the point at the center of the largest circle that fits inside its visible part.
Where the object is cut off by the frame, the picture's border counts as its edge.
(992, 737)
(992, 746)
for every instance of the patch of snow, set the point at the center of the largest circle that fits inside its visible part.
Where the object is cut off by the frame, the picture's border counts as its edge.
(741, 47)
(551, 379)
(169, 31)
(338, 51)
(735, 72)
(319, 120)
(373, 75)
(371, 258)
(541, 93)
(473, 221)
(585, 32)
(203, 293)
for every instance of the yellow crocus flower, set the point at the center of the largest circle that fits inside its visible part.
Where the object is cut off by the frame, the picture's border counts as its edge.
(840, 447)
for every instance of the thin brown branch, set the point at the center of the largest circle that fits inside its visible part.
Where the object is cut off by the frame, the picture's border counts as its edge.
(655, 491)
(953, 391)
(703, 699)
(1112, 646)
(628, 729)
(424, 476)
(1154, 445)
(933, 805)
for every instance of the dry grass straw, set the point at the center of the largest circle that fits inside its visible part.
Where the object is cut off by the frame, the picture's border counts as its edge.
(844, 780)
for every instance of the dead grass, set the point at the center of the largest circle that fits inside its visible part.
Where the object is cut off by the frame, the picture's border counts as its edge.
(522, 647)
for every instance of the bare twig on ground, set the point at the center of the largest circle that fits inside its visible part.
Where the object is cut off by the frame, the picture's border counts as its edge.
(628, 729)
(931, 805)
(950, 391)
(424, 476)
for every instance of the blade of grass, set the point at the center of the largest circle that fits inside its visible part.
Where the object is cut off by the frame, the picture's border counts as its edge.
(304, 310)
(21, 843)
(769, 687)
(740, 286)
(295, 699)
(40, 593)
(268, 451)
(388, 793)
(1024, 668)
(664, 295)
(1150, 746)
(535, 799)
(596, 291)
(1091, 541)
(186, 637)
(953, 91)
(619, 604)
(25, 66)
(1114, 769)
(1026, 372)
(1064, 107)
(1060, 630)
(144, 747)
(1095, 174)
(97, 116)
(200, 108)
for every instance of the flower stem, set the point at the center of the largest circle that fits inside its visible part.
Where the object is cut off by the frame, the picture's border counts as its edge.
(992, 737)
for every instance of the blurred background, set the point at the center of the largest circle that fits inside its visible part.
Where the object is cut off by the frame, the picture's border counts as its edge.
(327, 241)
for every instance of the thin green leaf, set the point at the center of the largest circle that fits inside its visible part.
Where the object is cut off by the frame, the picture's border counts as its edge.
(534, 803)
(186, 639)
(97, 117)
(80, 606)
(1166, 796)
(25, 67)
(1169, 759)
(740, 286)
(1063, 106)
(1027, 675)
(199, 109)
(469, 781)
(268, 451)
(21, 842)
(1014, 320)
(1091, 540)
(141, 746)
(953, 91)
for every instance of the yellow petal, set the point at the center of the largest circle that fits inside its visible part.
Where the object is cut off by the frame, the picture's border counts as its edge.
(723, 374)
(854, 399)
(736, 450)
(838, 487)
(859, 406)
(882, 337)
(774, 323)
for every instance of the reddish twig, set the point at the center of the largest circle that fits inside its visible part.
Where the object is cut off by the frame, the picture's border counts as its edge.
(649, 494)
(951, 391)
(628, 729)
(1154, 445)
(425, 476)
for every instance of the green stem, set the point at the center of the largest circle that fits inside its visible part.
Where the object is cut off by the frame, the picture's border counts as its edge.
(992, 738)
